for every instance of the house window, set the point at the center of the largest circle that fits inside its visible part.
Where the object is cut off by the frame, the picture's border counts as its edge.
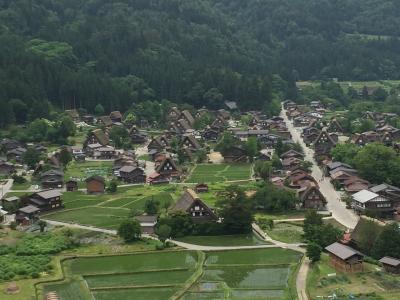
(382, 205)
(197, 208)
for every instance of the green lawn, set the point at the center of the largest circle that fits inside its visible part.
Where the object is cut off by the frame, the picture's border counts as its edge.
(219, 173)
(101, 217)
(147, 293)
(224, 240)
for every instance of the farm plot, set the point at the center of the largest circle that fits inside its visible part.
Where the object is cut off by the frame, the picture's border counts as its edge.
(219, 173)
(101, 217)
(224, 240)
(246, 274)
(235, 274)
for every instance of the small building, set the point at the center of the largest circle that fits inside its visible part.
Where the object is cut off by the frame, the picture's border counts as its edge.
(159, 144)
(201, 188)
(235, 154)
(311, 197)
(390, 264)
(71, 185)
(116, 116)
(95, 185)
(167, 167)
(156, 178)
(292, 153)
(324, 143)
(106, 152)
(174, 114)
(191, 204)
(210, 134)
(46, 200)
(16, 154)
(132, 174)
(344, 258)
(369, 201)
(27, 215)
(52, 179)
(190, 142)
(147, 223)
(187, 116)
(97, 136)
(6, 168)
(105, 121)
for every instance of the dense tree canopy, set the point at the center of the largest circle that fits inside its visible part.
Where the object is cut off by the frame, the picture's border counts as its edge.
(113, 54)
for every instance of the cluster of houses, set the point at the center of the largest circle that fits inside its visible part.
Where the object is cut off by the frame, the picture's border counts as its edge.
(381, 200)
(294, 176)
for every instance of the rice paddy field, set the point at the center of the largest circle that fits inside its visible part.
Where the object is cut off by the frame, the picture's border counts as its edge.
(108, 210)
(189, 275)
(209, 173)
(224, 240)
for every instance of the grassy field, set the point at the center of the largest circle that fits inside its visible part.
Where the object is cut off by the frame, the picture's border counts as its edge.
(261, 274)
(358, 85)
(107, 210)
(81, 171)
(224, 240)
(286, 232)
(324, 281)
(219, 173)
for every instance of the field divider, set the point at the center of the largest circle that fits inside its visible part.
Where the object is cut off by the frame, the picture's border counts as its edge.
(134, 272)
(214, 266)
(194, 278)
(132, 287)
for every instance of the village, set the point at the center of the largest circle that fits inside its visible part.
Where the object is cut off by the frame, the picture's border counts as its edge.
(158, 175)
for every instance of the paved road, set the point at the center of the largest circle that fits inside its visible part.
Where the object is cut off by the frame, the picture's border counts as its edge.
(337, 207)
(5, 188)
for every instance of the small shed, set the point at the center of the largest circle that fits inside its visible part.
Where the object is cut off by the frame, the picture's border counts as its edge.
(344, 258)
(390, 264)
(71, 185)
(95, 185)
(147, 223)
(201, 188)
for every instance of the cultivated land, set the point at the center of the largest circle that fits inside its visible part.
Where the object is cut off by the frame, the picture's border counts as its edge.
(235, 274)
(108, 210)
(324, 281)
(224, 240)
(219, 173)
(358, 85)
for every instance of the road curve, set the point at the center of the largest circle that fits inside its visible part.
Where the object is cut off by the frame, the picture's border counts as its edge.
(339, 211)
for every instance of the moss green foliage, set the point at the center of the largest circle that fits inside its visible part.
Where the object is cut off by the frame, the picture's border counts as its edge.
(270, 198)
(129, 230)
(43, 244)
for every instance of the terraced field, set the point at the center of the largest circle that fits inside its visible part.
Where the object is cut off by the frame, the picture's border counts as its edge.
(189, 275)
(219, 173)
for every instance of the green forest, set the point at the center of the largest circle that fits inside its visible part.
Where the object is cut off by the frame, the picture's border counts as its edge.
(80, 53)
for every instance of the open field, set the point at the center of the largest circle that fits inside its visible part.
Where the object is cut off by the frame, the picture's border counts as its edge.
(224, 240)
(358, 85)
(81, 171)
(286, 232)
(246, 274)
(219, 173)
(323, 281)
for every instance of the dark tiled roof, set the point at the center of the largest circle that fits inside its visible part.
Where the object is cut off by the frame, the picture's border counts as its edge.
(387, 260)
(342, 251)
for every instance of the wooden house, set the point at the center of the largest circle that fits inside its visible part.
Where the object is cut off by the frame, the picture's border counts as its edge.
(95, 185)
(201, 188)
(132, 174)
(210, 135)
(46, 200)
(190, 142)
(311, 197)
(6, 168)
(16, 154)
(156, 178)
(167, 167)
(218, 124)
(235, 154)
(292, 153)
(27, 215)
(191, 204)
(116, 116)
(159, 143)
(137, 137)
(52, 179)
(324, 143)
(344, 258)
(88, 119)
(355, 184)
(105, 121)
(96, 136)
(369, 201)
(388, 191)
(187, 116)
(147, 223)
(390, 264)
(231, 105)
(105, 152)
(223, 114)
(71, 185)
(174, 114)
(334, 126)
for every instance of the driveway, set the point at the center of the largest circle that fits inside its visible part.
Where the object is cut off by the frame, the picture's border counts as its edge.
(339, 211)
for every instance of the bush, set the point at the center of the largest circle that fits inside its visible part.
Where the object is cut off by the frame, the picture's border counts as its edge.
(43, 244)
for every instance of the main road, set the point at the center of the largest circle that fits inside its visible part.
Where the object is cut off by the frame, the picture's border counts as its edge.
(339, 211)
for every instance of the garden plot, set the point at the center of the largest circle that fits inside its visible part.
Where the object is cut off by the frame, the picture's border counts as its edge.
(219, 173)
